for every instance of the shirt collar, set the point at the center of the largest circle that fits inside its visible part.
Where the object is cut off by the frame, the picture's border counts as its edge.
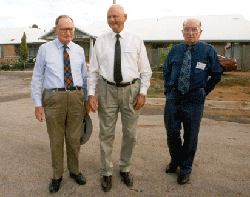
(60, 45)
(122, 33)
(195, 46)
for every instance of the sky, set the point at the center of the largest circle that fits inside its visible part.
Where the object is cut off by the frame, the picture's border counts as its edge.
(25, 13)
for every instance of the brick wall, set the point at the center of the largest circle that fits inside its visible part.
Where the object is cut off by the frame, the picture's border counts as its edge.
(9, 50)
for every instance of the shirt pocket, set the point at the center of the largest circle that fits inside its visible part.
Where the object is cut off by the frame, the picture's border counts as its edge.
(104, 55)
(52, 62)
(201, 74)
(52, 66)
(130, 53)
(76, 67)
(201, 67)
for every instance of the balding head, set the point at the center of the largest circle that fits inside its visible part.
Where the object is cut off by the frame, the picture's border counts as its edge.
(191, 20)
(116, 18)
(191, 31)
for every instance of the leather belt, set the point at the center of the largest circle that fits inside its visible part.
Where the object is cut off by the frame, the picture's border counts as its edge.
(121, 84)
(64, 89)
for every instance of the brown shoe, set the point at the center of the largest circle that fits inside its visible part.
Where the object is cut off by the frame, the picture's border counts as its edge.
(106, 183)
(127, 178)
(183, 179)
(171, 168)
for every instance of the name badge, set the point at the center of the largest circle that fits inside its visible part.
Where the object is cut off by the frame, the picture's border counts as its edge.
(201, 66)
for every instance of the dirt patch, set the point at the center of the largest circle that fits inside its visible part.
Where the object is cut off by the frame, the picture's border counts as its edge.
(235, 93)
(15, 85)
(233, 87)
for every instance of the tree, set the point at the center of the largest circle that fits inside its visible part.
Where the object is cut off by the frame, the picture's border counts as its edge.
(23, 49)
(34, 26)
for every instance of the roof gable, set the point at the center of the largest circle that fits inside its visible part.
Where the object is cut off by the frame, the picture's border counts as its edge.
(79, 33)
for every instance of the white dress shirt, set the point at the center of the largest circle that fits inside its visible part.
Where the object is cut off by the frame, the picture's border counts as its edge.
(134, 60)
(49, 69)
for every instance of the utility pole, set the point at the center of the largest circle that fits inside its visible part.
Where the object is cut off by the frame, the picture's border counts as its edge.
(114, 1)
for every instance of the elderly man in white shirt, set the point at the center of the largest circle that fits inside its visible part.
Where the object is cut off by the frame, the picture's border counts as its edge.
(120, 67)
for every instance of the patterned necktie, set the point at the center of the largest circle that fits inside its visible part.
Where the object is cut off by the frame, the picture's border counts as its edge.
(68, 79)
(117, 62)
(184, 79)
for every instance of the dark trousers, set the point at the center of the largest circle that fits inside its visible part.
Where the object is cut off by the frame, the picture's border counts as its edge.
(188, 110)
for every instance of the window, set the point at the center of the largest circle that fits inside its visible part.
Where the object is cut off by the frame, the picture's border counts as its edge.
(32, 50)
(1, 51)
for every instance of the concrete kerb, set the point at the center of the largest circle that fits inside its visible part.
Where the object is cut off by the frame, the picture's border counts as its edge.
(208, 103)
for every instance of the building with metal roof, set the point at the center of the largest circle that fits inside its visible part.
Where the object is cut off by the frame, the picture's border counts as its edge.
(229, 34)
(10, 40)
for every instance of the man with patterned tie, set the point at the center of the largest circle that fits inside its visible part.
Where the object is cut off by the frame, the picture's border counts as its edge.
(120, 66)
(61, 70)
(187, 83)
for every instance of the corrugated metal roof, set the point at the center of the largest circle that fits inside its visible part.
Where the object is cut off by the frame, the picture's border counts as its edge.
(14, 35)
(215, 28)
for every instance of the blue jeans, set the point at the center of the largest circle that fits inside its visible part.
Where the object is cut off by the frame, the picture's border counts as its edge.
(188, 110)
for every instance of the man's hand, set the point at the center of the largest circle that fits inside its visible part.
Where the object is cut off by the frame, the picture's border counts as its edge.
(92, 103)
(139, 102)
(86, 107)
(39, 113)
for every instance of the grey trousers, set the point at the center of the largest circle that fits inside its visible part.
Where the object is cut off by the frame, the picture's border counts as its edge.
(111, 100)
(64, 108)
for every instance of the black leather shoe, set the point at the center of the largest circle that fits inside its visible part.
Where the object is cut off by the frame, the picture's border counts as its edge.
(79, 178)
(106, 183)
(171, 168)
(55, 185)
(127, 178)
(183, 179)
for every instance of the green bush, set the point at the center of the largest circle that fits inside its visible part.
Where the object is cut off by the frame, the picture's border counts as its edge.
(164, 55)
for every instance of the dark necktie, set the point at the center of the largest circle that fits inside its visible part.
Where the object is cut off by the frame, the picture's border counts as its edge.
(184, 79)
(68, 79)
(117, 62)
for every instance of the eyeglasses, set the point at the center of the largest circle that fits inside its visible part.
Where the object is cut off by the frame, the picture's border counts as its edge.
(64, 30)
(194, 29)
